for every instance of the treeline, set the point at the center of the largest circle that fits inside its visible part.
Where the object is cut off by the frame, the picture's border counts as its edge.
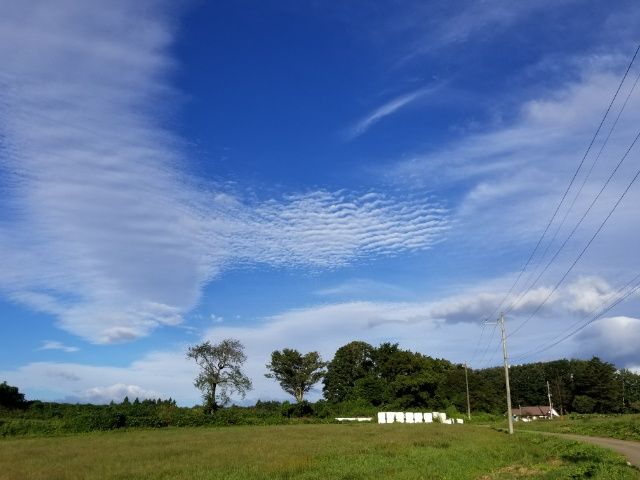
(360, 380)
(391, 378)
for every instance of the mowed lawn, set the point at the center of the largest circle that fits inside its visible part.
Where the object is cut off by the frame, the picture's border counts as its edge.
(307, 452)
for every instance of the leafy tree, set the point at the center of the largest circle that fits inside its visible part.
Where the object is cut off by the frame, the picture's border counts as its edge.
(221, 371)
(630, 389)
(597, 379)
(295, 372)
(10, 397)
(351, 362)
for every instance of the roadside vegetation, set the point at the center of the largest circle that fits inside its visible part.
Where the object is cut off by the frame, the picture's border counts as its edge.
(308, 452)
(624, 427)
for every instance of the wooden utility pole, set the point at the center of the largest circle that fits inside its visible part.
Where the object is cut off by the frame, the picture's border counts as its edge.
(466, 381)
(550, 404)
(506, 373)
(500, 322)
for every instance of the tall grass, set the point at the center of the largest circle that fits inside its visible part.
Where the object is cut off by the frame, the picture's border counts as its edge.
(307, 452)
(624, 427)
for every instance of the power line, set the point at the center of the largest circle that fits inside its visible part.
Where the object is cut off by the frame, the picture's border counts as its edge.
(532, 284)
(573, 178)
(571, 333)
(484, 354)
(575, 228)
(475, 351)
(593, 311)
(588, 175)
(626, 190)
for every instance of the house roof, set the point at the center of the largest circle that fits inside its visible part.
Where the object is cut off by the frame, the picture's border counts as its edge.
(533, 411)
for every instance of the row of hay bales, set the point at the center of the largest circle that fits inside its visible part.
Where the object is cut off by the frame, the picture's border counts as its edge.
(416, 417)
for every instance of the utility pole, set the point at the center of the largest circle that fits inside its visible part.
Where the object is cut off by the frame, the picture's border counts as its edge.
(550, 405)
(466, 380)
(500, 322)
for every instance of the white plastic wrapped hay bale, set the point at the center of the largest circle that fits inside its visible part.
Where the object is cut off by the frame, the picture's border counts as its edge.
(408, 417)
(447, 421)
(439, 417)
(382, 417)
(400, 417)
(459, 420)
(427, 417)
(418, 418)
(391, 417)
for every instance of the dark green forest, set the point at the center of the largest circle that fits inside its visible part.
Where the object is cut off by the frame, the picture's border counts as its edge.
(360, 380)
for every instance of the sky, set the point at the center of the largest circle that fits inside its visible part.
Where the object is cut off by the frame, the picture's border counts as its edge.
(305, 174)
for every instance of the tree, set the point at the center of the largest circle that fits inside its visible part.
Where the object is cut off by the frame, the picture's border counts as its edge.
(295, 372)
(221, 375)
(351, 362)
(10, 397)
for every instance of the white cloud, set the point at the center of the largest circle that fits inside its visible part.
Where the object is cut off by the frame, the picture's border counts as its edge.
(54, 345)
(385, 110)
(509, 178)
(614, 338)
(447, 328)
(101, 227)
(588, 294)
(434, 26)
(363, 288)
(115, 392)
(155, 375)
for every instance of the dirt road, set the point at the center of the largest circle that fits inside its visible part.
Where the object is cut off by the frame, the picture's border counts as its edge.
(628, 448)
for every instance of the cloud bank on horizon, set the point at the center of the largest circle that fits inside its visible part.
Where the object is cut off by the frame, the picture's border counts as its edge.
(438, 327)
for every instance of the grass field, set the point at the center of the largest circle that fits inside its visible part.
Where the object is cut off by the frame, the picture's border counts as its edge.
(307, 452)
(624, 427)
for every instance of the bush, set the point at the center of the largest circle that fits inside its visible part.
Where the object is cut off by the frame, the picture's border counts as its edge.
(297, 410)
(584, 404)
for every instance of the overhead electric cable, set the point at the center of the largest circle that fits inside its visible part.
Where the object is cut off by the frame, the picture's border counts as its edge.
(577, 225)
(475, 351)
(593, 237)
(484, 354)
(571, 333)
(593, 164)
(573, 178)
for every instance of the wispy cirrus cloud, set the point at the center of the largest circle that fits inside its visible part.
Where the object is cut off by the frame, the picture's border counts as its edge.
(386, 109)
(515, 172)
(55, 345)
(102, 227)
(434, 26)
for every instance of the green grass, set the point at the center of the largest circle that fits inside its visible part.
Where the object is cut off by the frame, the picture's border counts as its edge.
(307, 452)
(624, 427)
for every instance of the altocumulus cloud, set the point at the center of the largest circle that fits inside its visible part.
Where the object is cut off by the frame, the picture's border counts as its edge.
(102, 227)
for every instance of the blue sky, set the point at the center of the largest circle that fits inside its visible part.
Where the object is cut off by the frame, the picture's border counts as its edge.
(304, 174)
